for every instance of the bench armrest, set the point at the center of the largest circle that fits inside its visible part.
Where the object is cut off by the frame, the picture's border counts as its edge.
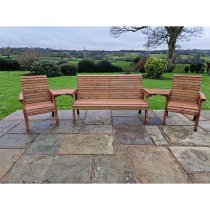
(202, 97)
(21, 97)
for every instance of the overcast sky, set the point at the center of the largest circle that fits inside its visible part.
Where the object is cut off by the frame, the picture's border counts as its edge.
(89, 38)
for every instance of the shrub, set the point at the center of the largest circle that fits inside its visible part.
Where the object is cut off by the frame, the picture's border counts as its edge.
(106, 66)
(154, 67)
(86, 66)
(68, 69)
(186, 69)
(196, 68)
(180, 68)
(8, 64)
(45, 68)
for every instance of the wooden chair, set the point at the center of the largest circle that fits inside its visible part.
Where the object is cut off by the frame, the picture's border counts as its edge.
(185, 97)
(36, 98)
(110, 92)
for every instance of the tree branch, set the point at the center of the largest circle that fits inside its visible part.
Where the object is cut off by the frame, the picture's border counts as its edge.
(116, 31)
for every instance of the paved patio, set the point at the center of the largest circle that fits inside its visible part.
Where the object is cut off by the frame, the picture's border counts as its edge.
(105, 147)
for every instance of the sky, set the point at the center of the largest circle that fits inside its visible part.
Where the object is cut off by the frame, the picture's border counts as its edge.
(89, 38)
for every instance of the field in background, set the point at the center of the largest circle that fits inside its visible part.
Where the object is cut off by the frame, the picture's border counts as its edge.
(10, 89)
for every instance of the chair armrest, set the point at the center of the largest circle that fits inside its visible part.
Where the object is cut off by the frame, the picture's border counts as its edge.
(202, 97)
(21, 97)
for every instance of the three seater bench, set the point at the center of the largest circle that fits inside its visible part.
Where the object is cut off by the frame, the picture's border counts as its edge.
(110, 92)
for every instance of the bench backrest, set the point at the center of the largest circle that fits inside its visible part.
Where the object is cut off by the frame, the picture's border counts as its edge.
(109, 86)
(186, 88)
(35, 89)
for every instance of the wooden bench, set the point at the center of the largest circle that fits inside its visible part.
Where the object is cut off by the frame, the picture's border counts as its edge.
(110, 92)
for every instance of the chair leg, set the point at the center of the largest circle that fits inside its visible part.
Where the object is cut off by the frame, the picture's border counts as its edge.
(73, 115)
(146, 116)
(26, 122)
(194, 118)
(139, 111)
(56, 117)
(53, 114)
(197, 117)
(77, 111)
(165, 116)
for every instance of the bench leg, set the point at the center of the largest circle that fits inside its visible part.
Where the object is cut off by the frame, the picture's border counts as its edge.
(165, 116)
(146, 116)
(139, 111)
(52, 114)
(56, 117)
(77, 111)
(197, 117)
(73, 115)
(26, 122)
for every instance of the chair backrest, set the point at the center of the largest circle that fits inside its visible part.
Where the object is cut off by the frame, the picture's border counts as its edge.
(186, 88)
(109, 86)
(35, 89)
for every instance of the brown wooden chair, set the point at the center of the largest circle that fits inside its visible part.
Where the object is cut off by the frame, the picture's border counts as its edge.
(110, 92)
(36, 98)
(185, 97)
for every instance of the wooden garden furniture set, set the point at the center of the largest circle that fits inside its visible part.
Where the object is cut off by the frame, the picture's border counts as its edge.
(111, 92)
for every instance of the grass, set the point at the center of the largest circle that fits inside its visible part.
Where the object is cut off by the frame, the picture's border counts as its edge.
(10, 89)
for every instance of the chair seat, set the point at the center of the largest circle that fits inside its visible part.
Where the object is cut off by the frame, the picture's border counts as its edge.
(111, 103)
(41, 107)
(183, 107)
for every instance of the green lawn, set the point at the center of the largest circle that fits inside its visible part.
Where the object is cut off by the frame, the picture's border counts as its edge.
(10, 89)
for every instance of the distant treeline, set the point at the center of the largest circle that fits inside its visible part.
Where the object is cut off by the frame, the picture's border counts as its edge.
(8, 51)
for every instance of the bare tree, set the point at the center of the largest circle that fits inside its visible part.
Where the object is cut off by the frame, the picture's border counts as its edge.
(157, 36)
(26, 58)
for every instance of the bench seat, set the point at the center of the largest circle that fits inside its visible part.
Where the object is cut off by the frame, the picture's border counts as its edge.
(110, 104)
(183, 107)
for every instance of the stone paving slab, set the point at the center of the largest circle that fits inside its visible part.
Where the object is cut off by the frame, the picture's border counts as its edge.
(67, 126)
(153, 121)
(186, 136)
(7, 158)
(113, 169)
(87, 144)
(18, 115)
(193, 159)
(96, 129)
(36, 126)
(61, 169)
(128, 121)
(46, 144)
(154, 164)
(174, 118)
(205, 125)
(17, 140)
(5, 126)
(156, 135)
(98, 117)
(120, 149)
(200, 178)
(130, 135)
(192, 116)
(67, 115)
(125, 113)
(205, 114)
(48, 126)
(19, 169)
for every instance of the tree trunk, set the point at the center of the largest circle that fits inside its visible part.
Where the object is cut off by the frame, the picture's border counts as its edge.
(170, 56)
